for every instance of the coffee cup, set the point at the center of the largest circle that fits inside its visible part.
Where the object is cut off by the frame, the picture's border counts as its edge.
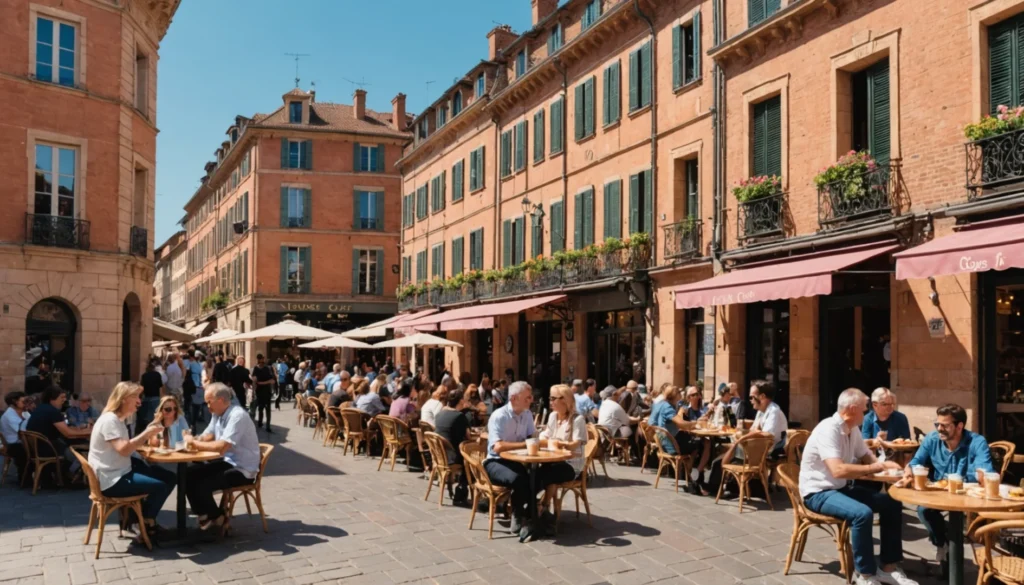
(992, 486)
(955, 482)
(920, 477)
(532, 447)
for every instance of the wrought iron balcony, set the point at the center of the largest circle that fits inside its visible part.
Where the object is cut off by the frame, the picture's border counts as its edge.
(761, 218)
(995, 164)
(861, 196)
(139, 241)
(683, 239)
(56, 231)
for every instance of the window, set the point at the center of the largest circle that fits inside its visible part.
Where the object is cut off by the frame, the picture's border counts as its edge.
(296, 154)
(641, 203)
(584, 215)
(458, 177)
(521, 63)
(295, 269)
(406, 269)
(692, 189)
(481, 84)
(1006, 64)
(246, 163)
(56, 48)
(56, 184)
(421, 266)
(758, 10)
(458, 254)
(513, 247)
(557, 112)
(442, 116)
(367, 275)
(591, 13)
(423, 127)
(686, 52)
(537, 227)
(295, 208)
(142, 83)
(555, 39)
(870, 116)
(640, 78)
(538, 136)
(521, 132)
(408, 210)
(234, 135)
(506, 154)
(476, 249)
(294, 112)
(421, 202)
(767, 137)
(476, 170)
(438, 186)
(456, 104)
(437, 262)
(557, 226)
(369, 158)
(369, 210)
(612, 106)
(613, 209)
(585, 109)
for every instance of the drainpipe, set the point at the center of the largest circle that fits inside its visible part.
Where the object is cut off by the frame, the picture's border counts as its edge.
(497, 191)
(565, 148)
(654, 171)
(718, 171)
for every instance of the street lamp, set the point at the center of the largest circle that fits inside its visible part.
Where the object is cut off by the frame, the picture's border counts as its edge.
(532, 209)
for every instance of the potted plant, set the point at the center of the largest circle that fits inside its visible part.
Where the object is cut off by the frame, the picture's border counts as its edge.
(214, 301)
(993, 152)
(847, 179)
(753, 189)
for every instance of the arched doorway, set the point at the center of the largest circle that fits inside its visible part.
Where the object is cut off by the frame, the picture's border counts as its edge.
(131, 331)
(50, 356)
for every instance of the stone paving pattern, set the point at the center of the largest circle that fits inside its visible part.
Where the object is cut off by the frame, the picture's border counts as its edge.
(336, 519)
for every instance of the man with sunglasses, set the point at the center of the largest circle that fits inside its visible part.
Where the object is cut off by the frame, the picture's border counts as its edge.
(950, 448)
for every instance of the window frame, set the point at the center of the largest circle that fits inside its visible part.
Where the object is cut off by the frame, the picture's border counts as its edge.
(291, 112)
(367, 258)
(299, 283)
(371, 199)
(296, 195)
(81, 43)
(78, 206)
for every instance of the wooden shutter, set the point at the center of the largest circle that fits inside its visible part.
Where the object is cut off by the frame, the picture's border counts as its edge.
(538, 136)
(613, 209)
(506, 153)
(634, 204)
(284, 153)
(379, 259)
(520, 240)
(521, 132)
(537, 244)
(506, 243)
(457, 175)
(645, 75)
(878, 112)
(773, 131)
(588, 96)
(557, 111)
(245, 272)
(284, 206)
(612, 105)
(677, 57)
(696, 45)
(307, 151)
(284, 269)
(648, 202)
(380, 161)
(588, 217)
(771, 7)
(307, 208)
(755, 12)
(355, 271)
(692, 193)
(580, 125)
(1003, 63)
(577, 216)
(379, 209)
(634, 80)
(557, 221)
(306, 258)
(457, 255)
(473, 172)
(356, 158)
(443, 181)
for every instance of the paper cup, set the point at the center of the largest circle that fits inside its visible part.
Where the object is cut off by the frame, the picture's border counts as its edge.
(532, 446)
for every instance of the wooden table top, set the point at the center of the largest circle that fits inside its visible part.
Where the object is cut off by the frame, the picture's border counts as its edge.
(883, 478)
(719, 433)
(911, 446)
(151, 456)
(947, 502)
(545, 456)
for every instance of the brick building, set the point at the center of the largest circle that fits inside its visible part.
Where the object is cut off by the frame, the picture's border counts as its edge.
(818, 282)
(78, 84)
(297, 215)
(169, 285)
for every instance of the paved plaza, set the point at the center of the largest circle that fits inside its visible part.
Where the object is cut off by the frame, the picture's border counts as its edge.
(336, 519)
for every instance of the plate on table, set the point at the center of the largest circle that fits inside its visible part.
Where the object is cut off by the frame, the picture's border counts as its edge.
(160, 451)
(942, 484)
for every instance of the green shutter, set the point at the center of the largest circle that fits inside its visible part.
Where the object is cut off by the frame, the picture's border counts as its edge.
(755, 12)
(506, 243)
(612, 102)
(606, 96)
(520, 239)
(645, 75)
(355, 271)
(307, 150)
(557, 223)
(307, 208)
(356, 159)
(580, 125)
(443, 197)
(457, 181)
(521, 145)
(537, 245)
(380, 162)
(878, 112)
(506, 153)
(457, 256)
(538, 136)
(634, 80)
(696, 45)
(588, 95)
(648, 202)
(557, 111)
(613, 209)
(284, 269)
(771, 7)
(588, 216)
(1003, 54)
(284, 153)
(481, 174)
(356, 209)
(692, 189)
(381, 211)
(773, 129)
(677, 57)
(634, 204)
(578, 240)
(306, 258)
(245, 272)
(379, 255)
(473, 171)
(284, 206)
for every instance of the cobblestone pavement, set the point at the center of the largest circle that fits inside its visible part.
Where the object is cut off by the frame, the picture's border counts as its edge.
(336, 519)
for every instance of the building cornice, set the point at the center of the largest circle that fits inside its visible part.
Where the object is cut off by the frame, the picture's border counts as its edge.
(782, 27)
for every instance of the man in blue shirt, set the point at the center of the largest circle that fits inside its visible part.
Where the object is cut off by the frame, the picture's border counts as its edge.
(584, 395)
(507, 430)
(949, 449)
(884, 422)
(281, 369)
(664, 414)
(331, 378)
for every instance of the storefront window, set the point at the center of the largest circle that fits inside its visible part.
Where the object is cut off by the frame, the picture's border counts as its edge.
(617, 347)
(1008, 347)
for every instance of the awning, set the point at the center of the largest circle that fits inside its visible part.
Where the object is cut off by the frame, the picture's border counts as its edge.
(996, 247)
(791, 279)
(201, 329)
(170, 332)
(380, 328)
(478, 316)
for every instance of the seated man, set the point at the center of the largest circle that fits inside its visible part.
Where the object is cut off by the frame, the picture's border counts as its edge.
(507, 429)
(340, 391)
(584, 395)
(665, 415)
(48, 420)
(369, 402)
(232, 434)
(83, 414)
(12, 421)
(835, 454)
(769, 421)
(612, 416)
(950, 448)
(884, 422)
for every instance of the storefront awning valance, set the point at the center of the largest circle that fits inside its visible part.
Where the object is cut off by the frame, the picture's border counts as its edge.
(478, 316)
(164, 331)
(996, 247)
(380, 328)
(201, 329)
(791, 279)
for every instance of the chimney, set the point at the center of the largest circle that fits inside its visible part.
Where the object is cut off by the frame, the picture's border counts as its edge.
(500, 37)
(542, 9)
(398, 112)
(359, 104)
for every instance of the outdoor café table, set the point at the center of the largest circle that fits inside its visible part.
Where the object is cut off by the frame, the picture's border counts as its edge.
(713, 433)
(532, 461)
(182, 459)
(901, 450)
(957, 506)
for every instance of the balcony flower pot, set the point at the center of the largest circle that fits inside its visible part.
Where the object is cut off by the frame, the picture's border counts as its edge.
(848, 179)
(759, 190)
(998, 157)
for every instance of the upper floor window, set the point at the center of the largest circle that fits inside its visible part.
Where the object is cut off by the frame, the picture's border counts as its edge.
(234, 135)
(1006, 64)
(481, 84)
(369, 158)
(295, 275)
(294, 112)
(55, 51)
(521, 63)
(142, 83)
(555, 39)
(591, 13)
(56, 173)
(368, 271)
(296, 207)
(758, 10)
(456, 104)
(767, 138)
(871, 111)
(369, 210)
(296, 154)
(686, 52)
(423, 128)
(442, 115)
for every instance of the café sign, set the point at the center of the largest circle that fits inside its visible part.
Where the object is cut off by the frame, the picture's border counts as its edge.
(307, 307)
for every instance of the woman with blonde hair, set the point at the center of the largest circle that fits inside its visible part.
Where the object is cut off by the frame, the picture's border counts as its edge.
(168, 412)
(110, 448)
(567, 430)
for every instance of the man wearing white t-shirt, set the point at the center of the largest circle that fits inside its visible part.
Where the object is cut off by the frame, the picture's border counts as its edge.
(611, 415)
(836, 455)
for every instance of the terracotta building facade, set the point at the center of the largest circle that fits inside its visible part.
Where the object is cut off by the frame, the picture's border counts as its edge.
(78, 84)
(297, 216)
(169, 284)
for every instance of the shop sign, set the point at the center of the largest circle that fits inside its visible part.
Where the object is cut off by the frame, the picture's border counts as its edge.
(297, 307)
(731, 298)
(973, 264)
(937, 328)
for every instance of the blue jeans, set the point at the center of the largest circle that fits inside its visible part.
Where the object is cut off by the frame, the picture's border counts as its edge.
(155, 482)
(935, 523)
(858, 506)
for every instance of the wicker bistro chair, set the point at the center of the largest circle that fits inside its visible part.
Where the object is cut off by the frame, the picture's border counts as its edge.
(601, 452)
(645, 435)
(755, 465)
(578, 487)
(320, 416)
(302, 405)
(620, 447)
(332, 425)
(480, 483)
(804, 520)
(1002, 455)
(796, 440)
(426, 454)
(31, 441)
(607, 445)
(442, 470)
(103, 507)
(252, 491)
(353, 430)
(8, 461)
(666, 459)
(396, 438)
(1003, 565)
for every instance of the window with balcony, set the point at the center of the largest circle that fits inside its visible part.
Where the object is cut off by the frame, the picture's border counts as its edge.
(870, 111)
(437, 261)
(56, 51)
(368, 277)
(476, 249)
(513, 235)
(369, 210)
(767, 137)
(294, 112)
(56, 180)
(583, 214)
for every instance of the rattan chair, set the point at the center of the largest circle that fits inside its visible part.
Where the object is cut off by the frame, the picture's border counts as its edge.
(578, 487)
(755, 451)
(252, 491)
(804, 520)
(645, 440)
(302, 405)
(601, 451)
(442, 470)
(31, 441)
(796, 440)
(675, 460)
(103, 507)
(353, 430)
(396, 438)
(332, 425)
(425, 453)
(620, 447)
(1003, 565)
(1002, 456)
(319, 414)
(8, 461)
(480, 483)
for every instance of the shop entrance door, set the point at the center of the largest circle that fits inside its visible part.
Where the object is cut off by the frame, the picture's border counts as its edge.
(1001, 302)
(768, 347)
(853, 346)
(617, 342)
(484, 351)
(545, 356)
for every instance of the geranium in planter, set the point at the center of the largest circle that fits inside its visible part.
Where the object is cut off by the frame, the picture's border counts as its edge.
(1005, 120)
(768, 215)
(847, 179)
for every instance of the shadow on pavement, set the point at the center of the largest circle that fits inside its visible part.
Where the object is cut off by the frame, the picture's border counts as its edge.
(286, 537)
(613, 532)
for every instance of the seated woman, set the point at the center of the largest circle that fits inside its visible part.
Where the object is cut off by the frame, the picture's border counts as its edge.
(451, 423)
(431, 408)
(566, 430)
(110, 449)
(173, 421)
(403, 406)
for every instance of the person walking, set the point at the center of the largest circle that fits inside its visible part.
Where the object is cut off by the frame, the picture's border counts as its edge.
(264, 377)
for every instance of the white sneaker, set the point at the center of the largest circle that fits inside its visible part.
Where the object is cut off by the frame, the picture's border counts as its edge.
(894, 577)
(859, 579)
(941, 553)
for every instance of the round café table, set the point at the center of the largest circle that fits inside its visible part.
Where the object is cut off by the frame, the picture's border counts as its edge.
(901, 451)
(181, 459)
(957, 506)
(713, 433)
(532, 462)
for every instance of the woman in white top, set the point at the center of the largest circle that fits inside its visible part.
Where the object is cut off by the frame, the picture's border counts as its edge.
(433, 406)
(110, 449)
(566, 430)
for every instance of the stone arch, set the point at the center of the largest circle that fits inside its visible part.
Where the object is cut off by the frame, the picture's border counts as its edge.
(131, 338)
(53, 345)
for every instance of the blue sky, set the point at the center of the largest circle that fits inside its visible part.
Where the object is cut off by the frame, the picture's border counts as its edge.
(222, 58)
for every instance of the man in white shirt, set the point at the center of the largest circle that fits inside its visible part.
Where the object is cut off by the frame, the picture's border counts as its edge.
(13, 421)
(611, 415)
(769, 421)
(835, 455)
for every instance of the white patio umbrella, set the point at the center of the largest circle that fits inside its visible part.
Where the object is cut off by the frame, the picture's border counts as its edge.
(338, 341)
(417, 340)
(284, 331)
(378, 329)
(217, 336)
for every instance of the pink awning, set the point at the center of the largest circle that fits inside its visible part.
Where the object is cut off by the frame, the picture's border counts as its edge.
(479, 316)
(996, 247)
(401, 325)
(791, 279)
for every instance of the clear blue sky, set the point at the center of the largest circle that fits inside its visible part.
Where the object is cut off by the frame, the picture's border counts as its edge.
(222, 58)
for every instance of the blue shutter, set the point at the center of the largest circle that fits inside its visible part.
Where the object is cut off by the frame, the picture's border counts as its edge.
(284, 153)
(307, 149)
(284, 207)
(556, 125)
(284, 269)
(457, 255)
(538, 136)
(380, 159)
(380, 211)
(755, 12)
(356, 157)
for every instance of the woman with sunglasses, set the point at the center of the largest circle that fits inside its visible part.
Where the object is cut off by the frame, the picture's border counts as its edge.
(173, 421)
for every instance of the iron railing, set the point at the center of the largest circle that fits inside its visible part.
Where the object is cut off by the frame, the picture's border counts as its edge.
(994, 163)
(57, 232)
(864, 195)
(139, 241)
(683, 239)
(762, 217)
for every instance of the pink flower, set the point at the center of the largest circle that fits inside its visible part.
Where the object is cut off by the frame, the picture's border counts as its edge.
(1002, 109)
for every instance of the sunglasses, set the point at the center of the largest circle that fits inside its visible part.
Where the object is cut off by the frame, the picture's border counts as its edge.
(169, 409)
